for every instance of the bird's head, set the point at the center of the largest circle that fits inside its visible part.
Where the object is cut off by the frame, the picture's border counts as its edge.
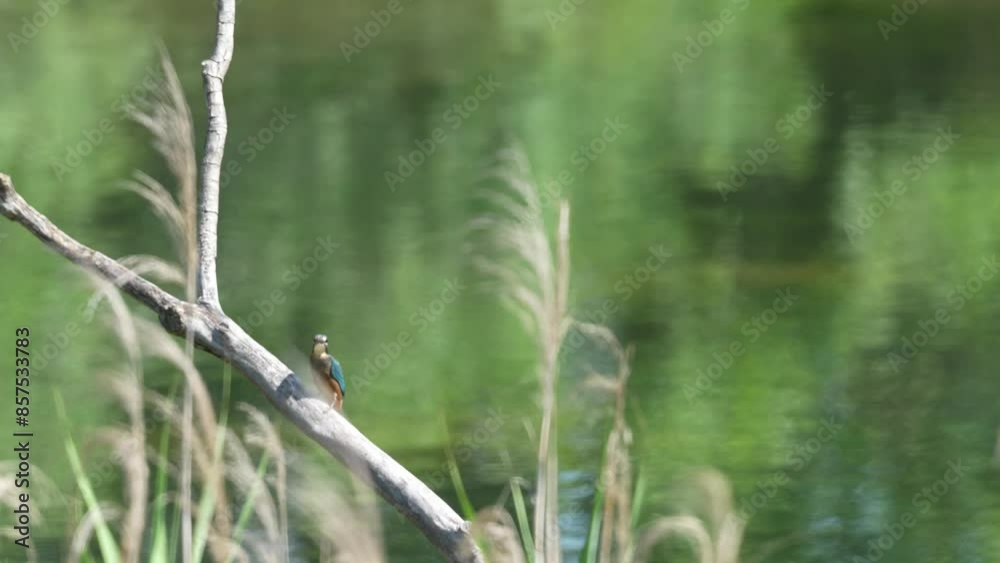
(320, 343)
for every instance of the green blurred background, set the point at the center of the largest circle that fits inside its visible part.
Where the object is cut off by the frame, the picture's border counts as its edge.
(323, 175)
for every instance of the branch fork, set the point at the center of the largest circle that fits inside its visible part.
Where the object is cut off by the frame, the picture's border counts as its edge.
(219, 335)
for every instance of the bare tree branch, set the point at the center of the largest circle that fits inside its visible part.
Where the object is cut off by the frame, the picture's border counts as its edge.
(214, 332)
(214, 71)
(16, 209)
(219, 335)
(211, 330)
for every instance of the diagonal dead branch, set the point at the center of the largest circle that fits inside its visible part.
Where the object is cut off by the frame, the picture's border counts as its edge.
(211, 330)
(16, 209)
(220, 336)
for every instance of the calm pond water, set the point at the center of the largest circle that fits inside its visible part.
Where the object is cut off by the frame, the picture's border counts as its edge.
(790, 208)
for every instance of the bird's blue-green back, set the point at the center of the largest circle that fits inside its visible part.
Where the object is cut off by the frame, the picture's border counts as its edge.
(338, 375)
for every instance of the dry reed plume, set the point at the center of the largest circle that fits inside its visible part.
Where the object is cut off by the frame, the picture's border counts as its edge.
(533, 280)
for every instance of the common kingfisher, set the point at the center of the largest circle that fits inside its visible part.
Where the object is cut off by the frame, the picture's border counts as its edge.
(327, 374)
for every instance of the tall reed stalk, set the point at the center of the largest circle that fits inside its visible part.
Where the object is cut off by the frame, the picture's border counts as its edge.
(168, 118)
(615, 489)
(533, 279)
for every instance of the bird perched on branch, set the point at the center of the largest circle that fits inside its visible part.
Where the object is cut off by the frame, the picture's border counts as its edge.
(327, 373)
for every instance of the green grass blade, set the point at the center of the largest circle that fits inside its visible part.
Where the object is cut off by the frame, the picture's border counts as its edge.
(521, 511)
(596, 516)
(162, 547)
(158, 545)
(175, 536)
(456, 482)
(202, 523)
(158, 551)
(594, 534)
(110, 551)
(247, 511)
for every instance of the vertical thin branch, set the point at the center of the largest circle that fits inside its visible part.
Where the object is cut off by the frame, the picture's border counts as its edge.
(214, 71)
